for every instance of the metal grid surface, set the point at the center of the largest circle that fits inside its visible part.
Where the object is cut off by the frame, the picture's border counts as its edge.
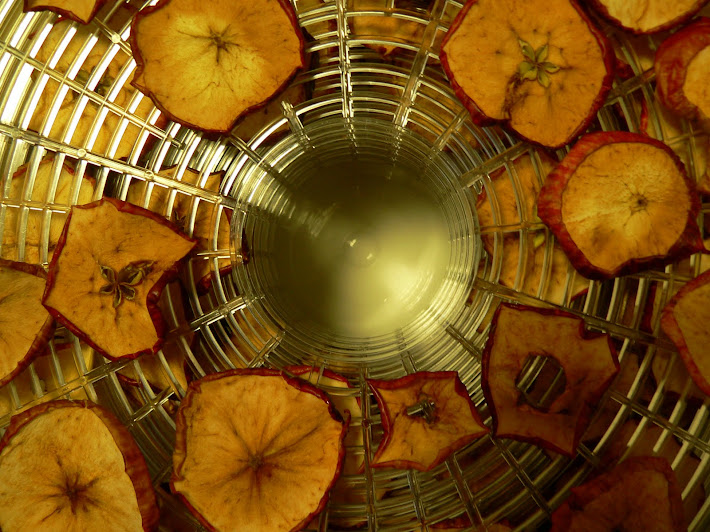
(126, 147)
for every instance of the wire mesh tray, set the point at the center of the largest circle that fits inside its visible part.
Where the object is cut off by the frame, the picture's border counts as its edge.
(374, 67)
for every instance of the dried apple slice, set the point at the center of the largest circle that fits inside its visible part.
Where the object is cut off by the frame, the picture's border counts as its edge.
(554, 418)
(153, 367)
(619, 203)
(641, 493)
(515, 207)
(45, 190)
(683, 72)
(426, 416)
(207, 64)
(684, 319)
(92, 475)
(256, 450)
(97, 139)
(694, 152)
(182, 215)
(384, 26)
(25, 325)
(110, 266)
(644, 445)
(647, 16)
(540, 66)
(80, 10)
(348, 405)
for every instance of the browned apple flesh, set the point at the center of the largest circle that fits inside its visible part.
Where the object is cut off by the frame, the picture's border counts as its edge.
(153, 368)
(685, 320)
(206, 64)
(558, 418)
(107, 273)
(619, 203)
(426, 416)
(641, 493)
(25, 325)
(645, 440)
(339, 391)
(647, 16)
(80, 10)
(693, 151)
(683, 72)
(256, 451)
(201, 226)
(393, 28)
(85, 126)
(72, 466)
(42, 190)
(539, 66)
(514, 205)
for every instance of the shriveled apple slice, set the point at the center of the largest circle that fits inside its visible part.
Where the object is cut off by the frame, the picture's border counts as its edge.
(641, 493)
(25, 325)
(695, 150)
(540, 66)
(647, 16)
(72, 466)
(249, 125)
(619, 203)
(377, 27)
(683, 72)
(514, 203)
(256, 450)
(110, 266)
(644, 445)
(426, 416)
(557, 415)
(100, 138)
(182, 214)
(153, 368)
(80, 10)
(347, 405)
(43, 189)
(684, 319)
(206, 64)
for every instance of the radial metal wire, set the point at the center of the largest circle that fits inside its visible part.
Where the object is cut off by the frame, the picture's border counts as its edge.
(372, 60)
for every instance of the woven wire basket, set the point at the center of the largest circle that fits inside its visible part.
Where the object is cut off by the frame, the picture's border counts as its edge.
(374, 77)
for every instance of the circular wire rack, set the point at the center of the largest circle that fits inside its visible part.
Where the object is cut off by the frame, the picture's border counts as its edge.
(70, 120)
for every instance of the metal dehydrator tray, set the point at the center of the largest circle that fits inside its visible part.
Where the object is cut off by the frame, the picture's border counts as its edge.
(393, 101)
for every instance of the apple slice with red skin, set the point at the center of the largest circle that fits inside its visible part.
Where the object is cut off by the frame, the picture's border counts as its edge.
(181, 215)
(207, 64)
(107, 273)
(541, 67)
(647, 16)
(684, 319)
(104, 87)
(641, 493)
(80, 10)
(256, 450)
(516, 205)
(25, 325)
(682, 69)
(152, 367)
(619, 203)
(62, 194)
(589, 362)
(645, 444)
(381, 25)
(68, 465)
(670, 129)
(426, 416)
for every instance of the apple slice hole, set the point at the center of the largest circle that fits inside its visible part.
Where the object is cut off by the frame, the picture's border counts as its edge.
(426, 408)
(541, 381)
